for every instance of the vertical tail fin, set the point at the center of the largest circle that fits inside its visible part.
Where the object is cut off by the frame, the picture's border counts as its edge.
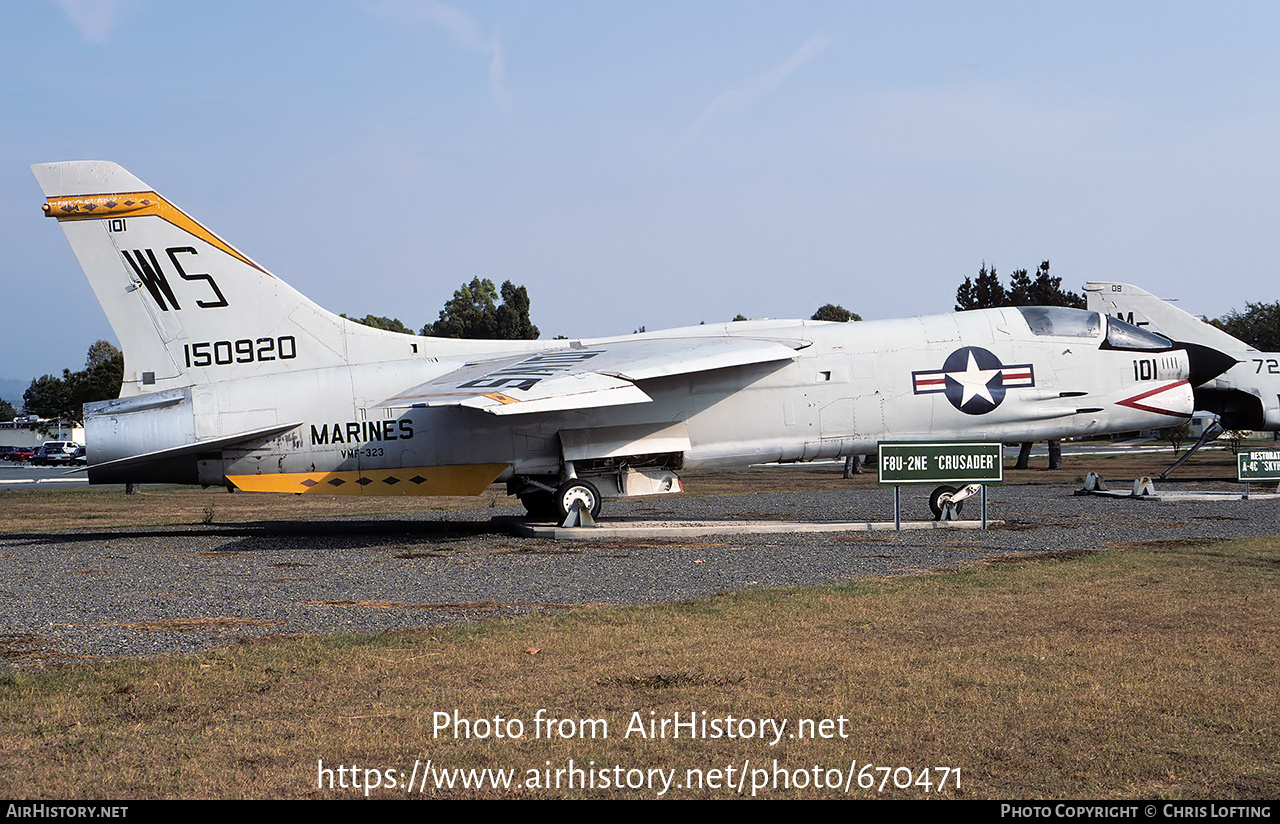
(1141, 308)
(187, 307)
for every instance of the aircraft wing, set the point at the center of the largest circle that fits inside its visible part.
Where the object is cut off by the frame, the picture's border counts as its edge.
(585, 376)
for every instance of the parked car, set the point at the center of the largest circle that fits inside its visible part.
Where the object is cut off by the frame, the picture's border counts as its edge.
(20, 454)
(55, 453)
(78, 458)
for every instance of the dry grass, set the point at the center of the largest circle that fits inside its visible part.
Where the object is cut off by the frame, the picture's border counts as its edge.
(1206, 465)
(1136, 671)
(1142, 670)
(43, 510)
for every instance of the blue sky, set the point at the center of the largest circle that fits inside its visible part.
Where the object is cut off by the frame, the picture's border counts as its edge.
(653, 163)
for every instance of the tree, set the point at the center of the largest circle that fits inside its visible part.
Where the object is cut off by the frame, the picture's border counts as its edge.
(1235, 439)
(1177, 435)
(53, 397)
(988, 293)
(1258, 325)
(386, 324)
(473, 313)
(984, 293)
(513, 321)
(7, 412)
(1044, 290)
(47, 396)
(100, 381)
(834, 312)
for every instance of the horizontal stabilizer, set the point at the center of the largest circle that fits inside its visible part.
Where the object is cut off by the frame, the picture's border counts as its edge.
(207, 445)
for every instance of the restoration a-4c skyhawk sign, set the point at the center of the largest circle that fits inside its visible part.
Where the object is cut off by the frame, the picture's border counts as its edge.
(232, 377)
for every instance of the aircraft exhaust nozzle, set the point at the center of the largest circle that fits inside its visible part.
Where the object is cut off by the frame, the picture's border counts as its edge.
(1206, 362)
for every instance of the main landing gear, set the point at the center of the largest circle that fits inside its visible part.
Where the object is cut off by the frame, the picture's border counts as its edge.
(580, 492)
(574, 495)
(544, 502)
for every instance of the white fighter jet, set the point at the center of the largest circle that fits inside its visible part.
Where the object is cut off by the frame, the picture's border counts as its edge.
(1243, 386)
(233, 378)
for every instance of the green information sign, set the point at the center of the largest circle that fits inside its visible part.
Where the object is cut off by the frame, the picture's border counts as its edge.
(1258, 465)
(936, 462)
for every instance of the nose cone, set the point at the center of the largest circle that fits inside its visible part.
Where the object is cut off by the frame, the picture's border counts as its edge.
(1206, 363)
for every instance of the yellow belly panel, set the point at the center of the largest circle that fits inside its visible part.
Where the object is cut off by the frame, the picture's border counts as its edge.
(463, 479)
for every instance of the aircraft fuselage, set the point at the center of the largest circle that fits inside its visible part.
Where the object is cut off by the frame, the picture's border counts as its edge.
(841, 394)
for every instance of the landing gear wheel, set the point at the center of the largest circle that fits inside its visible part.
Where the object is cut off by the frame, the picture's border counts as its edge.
(935, 501)
(540, 505)
(576, 490)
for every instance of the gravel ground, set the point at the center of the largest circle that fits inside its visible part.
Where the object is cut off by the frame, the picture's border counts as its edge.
(115, 593)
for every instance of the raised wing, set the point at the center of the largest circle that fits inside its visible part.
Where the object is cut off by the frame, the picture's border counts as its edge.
(586, 376)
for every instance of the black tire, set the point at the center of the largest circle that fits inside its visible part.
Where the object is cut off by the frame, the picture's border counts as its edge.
(583, 492)
(935, 502)
(539, 504)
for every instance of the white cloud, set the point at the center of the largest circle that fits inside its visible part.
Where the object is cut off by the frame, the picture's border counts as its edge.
(740, 97)
(95, 19)
(467, 32)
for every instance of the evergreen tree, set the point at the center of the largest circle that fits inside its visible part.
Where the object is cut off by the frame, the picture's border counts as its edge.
(1042, 290)
(1047, 291)
(1020, 289)
(983, 293)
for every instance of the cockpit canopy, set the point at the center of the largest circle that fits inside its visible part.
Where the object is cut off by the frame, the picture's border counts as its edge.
(1060, 321)
(1121, 335)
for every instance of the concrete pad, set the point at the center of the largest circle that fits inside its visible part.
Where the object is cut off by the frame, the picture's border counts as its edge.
(1175, 497)
(29, 482)
(629, 528)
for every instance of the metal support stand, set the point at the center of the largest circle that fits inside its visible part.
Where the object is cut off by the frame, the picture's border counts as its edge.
(578, 516)
(950, 507)
(951, 503)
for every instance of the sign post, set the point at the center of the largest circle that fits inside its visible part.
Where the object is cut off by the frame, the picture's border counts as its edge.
(937, 463)
(1257, 465)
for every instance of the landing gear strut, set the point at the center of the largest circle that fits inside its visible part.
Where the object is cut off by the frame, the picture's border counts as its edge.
(1211, 431)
